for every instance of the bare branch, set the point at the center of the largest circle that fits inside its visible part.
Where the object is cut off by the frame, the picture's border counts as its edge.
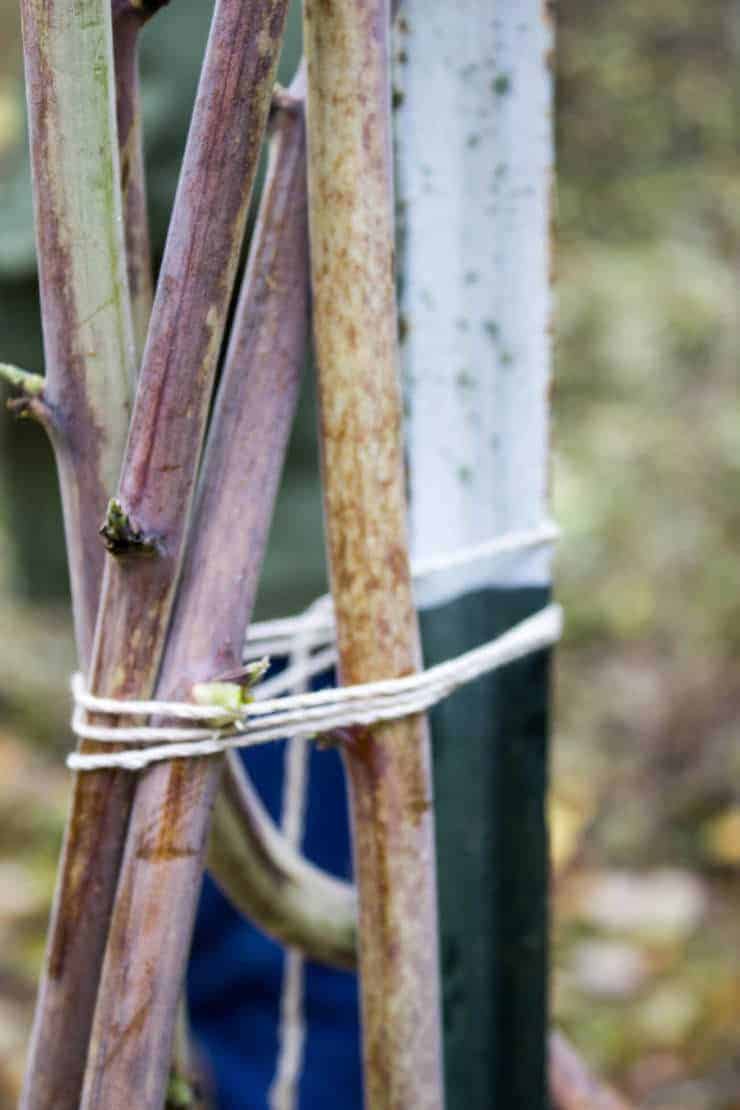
(155, 491)
(169, 823)
(355, 327)
(88, 340)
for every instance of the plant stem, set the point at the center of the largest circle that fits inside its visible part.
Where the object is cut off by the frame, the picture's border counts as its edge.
(128, 19)
(155, 491)
(355, 326)
(131, 1040)
(273, 885)
(88, 339)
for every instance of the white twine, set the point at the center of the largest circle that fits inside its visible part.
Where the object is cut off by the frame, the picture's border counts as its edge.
(304, 715)
(285, 1086)
(316, 624)
(300, 715)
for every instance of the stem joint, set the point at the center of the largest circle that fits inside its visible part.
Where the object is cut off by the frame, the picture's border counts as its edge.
(122, 537)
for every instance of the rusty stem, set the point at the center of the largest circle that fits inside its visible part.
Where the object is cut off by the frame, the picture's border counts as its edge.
(165, 847)
(355, 328)
(265, 878)
(156, 486)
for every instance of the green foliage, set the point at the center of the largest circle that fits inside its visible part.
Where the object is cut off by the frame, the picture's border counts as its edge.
(646, 469)
(649, 228)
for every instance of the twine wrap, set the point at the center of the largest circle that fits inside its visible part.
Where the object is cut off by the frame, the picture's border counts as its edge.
(200, 730)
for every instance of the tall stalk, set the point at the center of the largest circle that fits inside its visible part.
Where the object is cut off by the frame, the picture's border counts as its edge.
(355, 326)
(167, 835)
(88, 338)
(263, 875)
(145, 529)
(84, 399)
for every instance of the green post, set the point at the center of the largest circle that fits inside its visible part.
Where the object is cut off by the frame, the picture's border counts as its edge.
(490, 752)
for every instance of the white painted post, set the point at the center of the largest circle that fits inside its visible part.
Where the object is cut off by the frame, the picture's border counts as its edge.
(474, 161)
(474, 155)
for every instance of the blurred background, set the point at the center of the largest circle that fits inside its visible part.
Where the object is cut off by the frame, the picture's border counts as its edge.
(645, 800)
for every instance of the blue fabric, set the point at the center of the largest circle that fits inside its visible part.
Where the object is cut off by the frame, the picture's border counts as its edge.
(235, 974)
